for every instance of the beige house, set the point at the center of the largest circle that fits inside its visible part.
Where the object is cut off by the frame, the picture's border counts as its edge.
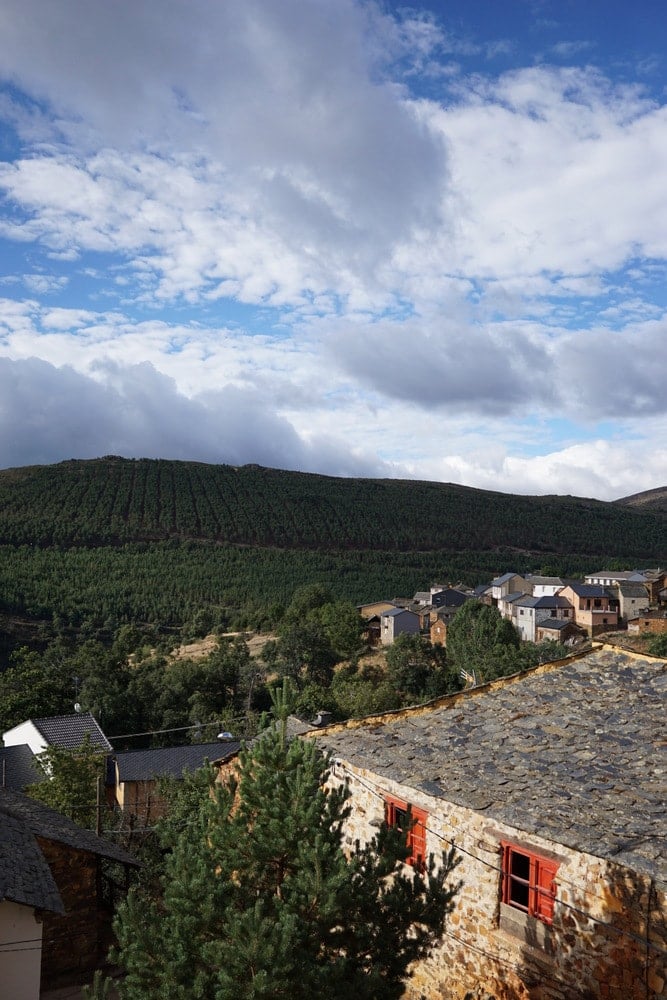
(592, 606)
(133, 775)
(547, 785)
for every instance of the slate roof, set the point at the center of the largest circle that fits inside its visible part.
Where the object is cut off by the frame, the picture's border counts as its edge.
(68, 731)
(630, 589)
(25, 876)
(516, 595)
(394, 612)
(505, 578)
(523, 601)
(45, 822)
(575, 753)
(19, 768)
(162, 762)
(552, 601)
(556, 624)
(449, 597)
(589, 589)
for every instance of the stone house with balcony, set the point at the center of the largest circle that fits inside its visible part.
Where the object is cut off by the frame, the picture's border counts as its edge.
(545, 784)
(593, 607)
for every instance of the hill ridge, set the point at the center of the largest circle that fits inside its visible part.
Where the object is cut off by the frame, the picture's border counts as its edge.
(114, 501)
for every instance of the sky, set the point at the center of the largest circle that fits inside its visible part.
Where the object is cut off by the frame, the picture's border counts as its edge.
(424, 241)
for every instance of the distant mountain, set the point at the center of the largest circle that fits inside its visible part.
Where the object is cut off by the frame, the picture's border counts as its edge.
(115, 501)
(651, 500)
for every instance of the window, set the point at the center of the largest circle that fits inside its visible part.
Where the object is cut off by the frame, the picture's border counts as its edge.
(400, 815)
(528, 882)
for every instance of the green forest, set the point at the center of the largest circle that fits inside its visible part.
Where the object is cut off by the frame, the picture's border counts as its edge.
(88, 546)
(106, 566)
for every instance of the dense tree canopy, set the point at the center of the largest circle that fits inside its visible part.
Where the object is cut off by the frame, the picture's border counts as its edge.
(258, 899)
(483, 644)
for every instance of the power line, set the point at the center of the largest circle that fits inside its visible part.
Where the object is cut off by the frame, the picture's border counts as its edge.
(380, 793)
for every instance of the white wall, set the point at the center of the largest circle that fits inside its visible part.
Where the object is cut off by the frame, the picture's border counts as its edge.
(20, 952)
(28, 733)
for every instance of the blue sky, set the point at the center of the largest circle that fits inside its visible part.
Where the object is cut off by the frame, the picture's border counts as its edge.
(420, 241)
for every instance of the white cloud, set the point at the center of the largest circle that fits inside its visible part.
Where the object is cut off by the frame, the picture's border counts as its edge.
(488, 261)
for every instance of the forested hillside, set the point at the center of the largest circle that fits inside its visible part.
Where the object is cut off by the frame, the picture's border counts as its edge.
(90, 545)
(112, 501)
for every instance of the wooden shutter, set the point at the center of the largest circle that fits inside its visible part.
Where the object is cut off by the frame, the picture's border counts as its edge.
(417, 841)
(545, 890)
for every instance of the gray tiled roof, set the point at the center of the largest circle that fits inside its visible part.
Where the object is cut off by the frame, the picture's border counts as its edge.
(162, 762)
(19, 768)
(45, 822)
(575, 753)
(25, 877)
(69, 731)
(588, 589)
(555, 623)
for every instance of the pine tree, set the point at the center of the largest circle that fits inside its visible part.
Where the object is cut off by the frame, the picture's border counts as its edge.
(258, 899)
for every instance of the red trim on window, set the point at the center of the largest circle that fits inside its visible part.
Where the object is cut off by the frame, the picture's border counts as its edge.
(528, 882)
(396, 814)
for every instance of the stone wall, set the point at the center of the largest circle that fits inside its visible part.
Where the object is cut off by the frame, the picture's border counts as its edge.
(608, 939)
(71, 943)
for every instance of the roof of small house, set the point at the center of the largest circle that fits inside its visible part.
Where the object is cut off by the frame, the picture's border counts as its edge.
(544, 581)
(512, 598)
(556, 624)
(19, 768)
(69, 731)
(394, 612)
(570, 751)
(523, 600)
(588, 589)
(627, 588)
(172, 762)
(450, 597)
(25, 876)
(552, 601)
(505, 578)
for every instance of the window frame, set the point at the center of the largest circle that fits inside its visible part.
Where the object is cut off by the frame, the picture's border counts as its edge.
(394, 810)
(539, 887)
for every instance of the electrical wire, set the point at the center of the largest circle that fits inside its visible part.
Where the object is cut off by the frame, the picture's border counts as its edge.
(380, 793)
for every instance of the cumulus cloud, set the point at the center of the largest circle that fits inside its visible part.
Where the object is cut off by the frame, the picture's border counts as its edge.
(409, 241)
(48, 414)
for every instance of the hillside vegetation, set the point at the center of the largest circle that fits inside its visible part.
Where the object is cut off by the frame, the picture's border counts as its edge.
(113, 501)
(91, 544)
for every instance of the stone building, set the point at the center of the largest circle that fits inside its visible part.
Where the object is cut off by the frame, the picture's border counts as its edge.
(551, 786)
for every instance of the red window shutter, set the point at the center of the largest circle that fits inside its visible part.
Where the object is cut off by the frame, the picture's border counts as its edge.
(545, 890)
(417, 840)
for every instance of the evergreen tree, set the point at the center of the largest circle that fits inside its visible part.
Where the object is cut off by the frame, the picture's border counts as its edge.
(75, 783)
(258, 899)
(481, 641)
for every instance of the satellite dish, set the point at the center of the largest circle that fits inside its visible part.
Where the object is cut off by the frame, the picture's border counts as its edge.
(225, 736)
(77, 706)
